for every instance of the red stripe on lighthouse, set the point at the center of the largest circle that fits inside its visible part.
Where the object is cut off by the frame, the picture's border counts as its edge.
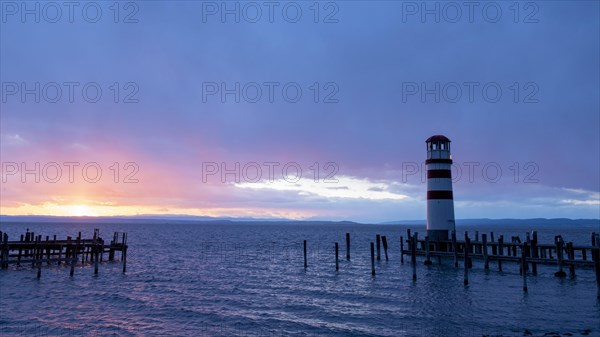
(439, 174)
(439, 195)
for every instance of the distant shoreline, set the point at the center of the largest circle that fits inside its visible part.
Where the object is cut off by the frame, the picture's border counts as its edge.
(154, 219)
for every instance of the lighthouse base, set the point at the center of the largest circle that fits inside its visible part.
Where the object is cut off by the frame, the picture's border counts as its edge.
(438, 234)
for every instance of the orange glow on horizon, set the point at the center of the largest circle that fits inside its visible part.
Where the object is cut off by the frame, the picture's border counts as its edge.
(75, 210)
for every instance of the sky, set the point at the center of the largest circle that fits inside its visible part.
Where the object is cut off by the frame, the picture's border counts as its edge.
(300, 109)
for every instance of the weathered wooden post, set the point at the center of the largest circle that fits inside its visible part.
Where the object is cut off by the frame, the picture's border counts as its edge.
(416, 235)
(401, 249)
(494, 247)
(454, 249)
(500, 251)
(413, 257)
(534, 251)
(466, 250)
(385, 246)
(348, 246)
(559, 256)
(20, 252)
(73, 255)
(125, 253)
(80, 248)
(596, 258)
(96, 253)
(111, 251)
(486, 263)
(571, 255)
(372, 259)
(378, 239)
(47, 249)
(34, 252)
(305, 261)
(60, 249)
(427, 259)
(337, 265)
(476, 247)
(5, 252)
(524, 248)
(524, 265)
(39, 256)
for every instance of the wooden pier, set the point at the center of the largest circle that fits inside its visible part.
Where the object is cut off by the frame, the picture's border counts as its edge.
(528, 253)
(35, 250)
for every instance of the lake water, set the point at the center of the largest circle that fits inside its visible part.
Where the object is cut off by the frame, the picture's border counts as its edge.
(248, 280)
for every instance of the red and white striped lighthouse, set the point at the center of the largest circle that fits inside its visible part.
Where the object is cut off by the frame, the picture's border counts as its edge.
(440, 203)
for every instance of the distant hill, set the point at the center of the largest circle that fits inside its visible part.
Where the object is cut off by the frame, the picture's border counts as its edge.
(225, 220)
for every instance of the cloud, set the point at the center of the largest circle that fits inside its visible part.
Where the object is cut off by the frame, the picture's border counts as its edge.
(346, 187)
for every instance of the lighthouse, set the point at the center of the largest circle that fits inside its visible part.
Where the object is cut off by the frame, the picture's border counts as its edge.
(440, 203)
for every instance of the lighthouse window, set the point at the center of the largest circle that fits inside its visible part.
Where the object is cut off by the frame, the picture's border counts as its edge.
(442, 147)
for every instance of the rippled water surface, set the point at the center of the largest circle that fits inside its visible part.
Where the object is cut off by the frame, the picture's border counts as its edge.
(248, 279)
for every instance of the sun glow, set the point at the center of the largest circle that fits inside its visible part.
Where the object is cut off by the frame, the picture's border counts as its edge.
(78, 210)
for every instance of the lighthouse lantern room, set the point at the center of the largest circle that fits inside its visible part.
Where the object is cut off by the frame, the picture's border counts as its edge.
(440, 201)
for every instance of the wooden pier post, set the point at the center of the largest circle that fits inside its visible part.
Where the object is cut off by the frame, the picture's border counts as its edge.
(96, 252)
(111, 250)
(524, 265)
(416, 235)
(73, 255)
(4, 251)
(39, 257)
(596, 258)
(467, 244)
(427, 257)
(60, 249)
(571, 256)
(385, 246)
(20, 252)
(305, 261)
(476, 248)
(413, 257)
(348, 246)
(401, 249)
(34, 252)
(500, 251)
(534, 251)
(80, 247)
(372, 259)
(486, 263)
(559, 256)
(47, 249)
(455, 249)
(378, 240)
(124, 255)
(494, 247)
(337, 264)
